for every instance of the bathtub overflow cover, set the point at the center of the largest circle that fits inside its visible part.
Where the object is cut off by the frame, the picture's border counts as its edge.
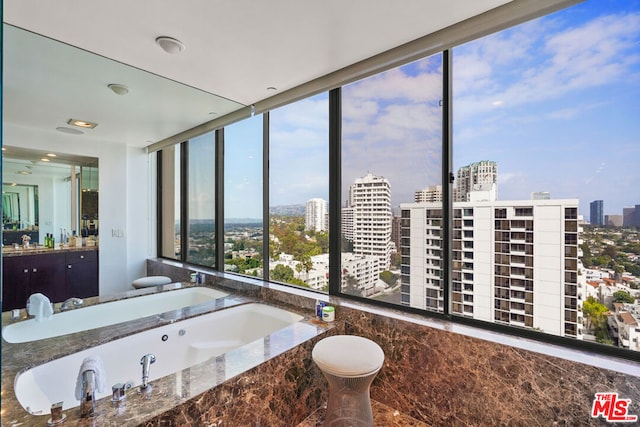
(181, 332)
(165, 337)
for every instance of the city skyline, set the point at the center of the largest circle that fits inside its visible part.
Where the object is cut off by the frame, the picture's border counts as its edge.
(551, 101)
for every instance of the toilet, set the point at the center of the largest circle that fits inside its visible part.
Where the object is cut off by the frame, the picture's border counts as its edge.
(349, 363)
(149, 281)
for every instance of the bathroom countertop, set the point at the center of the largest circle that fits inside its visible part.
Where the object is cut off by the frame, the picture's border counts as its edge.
(167, 392)
(8, 251)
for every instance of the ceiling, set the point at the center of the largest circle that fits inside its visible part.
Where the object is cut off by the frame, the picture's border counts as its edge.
(235, 50)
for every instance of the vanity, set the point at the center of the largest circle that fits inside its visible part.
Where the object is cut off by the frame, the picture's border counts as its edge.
(59, 274)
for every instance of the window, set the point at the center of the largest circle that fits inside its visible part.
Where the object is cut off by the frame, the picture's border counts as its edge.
(391, 157)
(170, 208)
(299, 194)
(523, 98)
(243, 225)
(202, 201)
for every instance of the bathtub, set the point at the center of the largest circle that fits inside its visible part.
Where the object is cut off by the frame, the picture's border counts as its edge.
(99, 315)
(176, 347)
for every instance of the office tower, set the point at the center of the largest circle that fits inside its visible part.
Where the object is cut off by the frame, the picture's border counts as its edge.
(631, 216)
(370, 202)
(596, 216)
(396, 222)
(479, 178)
(433, 193)
(315, 215)
(613, 220)
(513, 262)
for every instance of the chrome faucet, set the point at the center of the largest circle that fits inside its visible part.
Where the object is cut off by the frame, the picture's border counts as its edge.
(75, 302)
(146, 362)
(88, 402)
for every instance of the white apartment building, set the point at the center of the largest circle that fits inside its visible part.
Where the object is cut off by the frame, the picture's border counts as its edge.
(370, 200)
(432, 193)
(514, 262)
(362, 271)
(625, 324)
(316, 215)
(478, 180)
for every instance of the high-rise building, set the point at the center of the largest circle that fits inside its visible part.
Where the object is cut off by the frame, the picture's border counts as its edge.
(613, 220)
(540, 195)
(316, 215)
(596, 215)
(433, 193)
(478, 180)
(513, 262)
(631, 216)
(370, 205)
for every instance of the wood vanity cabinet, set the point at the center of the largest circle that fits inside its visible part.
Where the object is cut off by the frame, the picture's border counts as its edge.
(58, 275)
(82, 274)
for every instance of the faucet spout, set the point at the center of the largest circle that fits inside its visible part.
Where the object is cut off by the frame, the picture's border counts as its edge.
(87, 401)
(71, 302)
(146, 362)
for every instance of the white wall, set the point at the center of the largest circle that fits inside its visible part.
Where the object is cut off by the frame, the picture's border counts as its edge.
(124, 201)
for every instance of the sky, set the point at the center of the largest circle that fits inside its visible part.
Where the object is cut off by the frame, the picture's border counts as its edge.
(555, 102)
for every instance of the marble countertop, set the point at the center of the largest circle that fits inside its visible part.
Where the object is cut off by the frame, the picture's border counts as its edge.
(9, 251)
(167, 392)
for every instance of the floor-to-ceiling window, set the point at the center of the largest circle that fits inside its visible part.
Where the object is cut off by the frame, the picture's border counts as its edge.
(299, 193)
(391, 216)
(170, 208)
(545, 122)
(201, 200)
(243, 222)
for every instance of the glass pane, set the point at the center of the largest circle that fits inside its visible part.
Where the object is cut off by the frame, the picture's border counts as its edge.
(170, 182)
(243, 233)
(298, 186)
(202, 194)
(391, 186)
(545, 135)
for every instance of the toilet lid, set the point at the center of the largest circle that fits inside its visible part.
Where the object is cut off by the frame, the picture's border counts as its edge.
(348, 356)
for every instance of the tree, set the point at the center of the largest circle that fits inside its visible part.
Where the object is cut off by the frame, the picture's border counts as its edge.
(388, 277)
(594, 313)
(281, 273)
(623, 296)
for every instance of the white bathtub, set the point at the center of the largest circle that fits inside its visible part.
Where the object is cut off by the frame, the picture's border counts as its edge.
(176, 347)
(99, 315)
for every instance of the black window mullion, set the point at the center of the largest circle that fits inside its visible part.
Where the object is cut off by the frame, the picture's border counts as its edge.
(335, 182)
(265, 196)
(447, 179)
(159, 222)
(219, 199)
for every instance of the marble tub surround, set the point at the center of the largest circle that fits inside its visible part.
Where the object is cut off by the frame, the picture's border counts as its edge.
(167, 392)
(445, 374)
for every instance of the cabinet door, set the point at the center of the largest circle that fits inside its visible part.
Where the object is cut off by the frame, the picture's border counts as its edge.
(82, 274)
(48, 275)
(15, 283)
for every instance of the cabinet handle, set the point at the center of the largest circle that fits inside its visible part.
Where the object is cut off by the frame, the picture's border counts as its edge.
(81, 256)
(35, 270)
(26, 270)
(69, 266)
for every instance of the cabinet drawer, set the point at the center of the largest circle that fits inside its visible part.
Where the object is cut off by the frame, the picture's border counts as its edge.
(81, 256)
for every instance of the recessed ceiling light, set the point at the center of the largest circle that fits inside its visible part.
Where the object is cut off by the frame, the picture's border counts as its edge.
(82, 123)
(118, 89)
(24, 172)
(4, 148)
(69, 130)
(51, 155)
(44, 159)
(170, 45)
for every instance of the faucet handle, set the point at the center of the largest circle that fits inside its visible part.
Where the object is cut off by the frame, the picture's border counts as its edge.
(119, 391)
(57, 417)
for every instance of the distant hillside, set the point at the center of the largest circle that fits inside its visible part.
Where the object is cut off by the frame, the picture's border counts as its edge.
(287, 210)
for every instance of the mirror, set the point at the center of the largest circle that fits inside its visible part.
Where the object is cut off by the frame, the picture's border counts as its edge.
(47, 193)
